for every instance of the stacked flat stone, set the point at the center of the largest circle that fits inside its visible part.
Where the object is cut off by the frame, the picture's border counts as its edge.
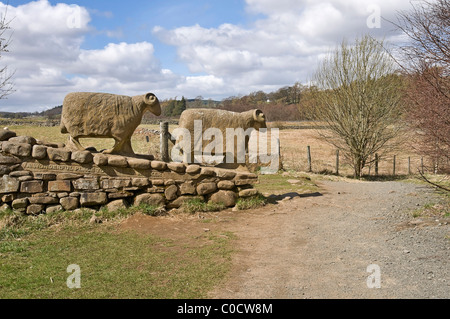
(38, 177)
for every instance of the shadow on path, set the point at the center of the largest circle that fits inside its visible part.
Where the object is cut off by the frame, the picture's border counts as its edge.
(274, 199)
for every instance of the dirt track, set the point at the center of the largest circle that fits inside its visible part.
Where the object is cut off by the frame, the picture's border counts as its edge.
(320, 245)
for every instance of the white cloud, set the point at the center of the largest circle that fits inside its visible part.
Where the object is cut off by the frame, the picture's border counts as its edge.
(123, 60)
(282, 47)
(207, 86)
(49, 62)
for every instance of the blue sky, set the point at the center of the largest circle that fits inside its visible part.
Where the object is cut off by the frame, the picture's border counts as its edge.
(133, 21)
(215, 49)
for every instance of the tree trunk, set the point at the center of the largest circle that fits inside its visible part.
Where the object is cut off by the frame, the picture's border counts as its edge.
(357, 167)
(360, 162)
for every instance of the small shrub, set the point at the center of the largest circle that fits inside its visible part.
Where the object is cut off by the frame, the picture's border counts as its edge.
(9, 218)
(195, 205)
(145, 209)
(14, 225)
(151, 210)
(251, 202)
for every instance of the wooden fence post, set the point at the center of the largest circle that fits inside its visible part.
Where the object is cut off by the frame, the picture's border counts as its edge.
(309, 158)
(393, 170)
(280, 162)
(337, 162)
(409, 165)
(164, 141)
(376, 164)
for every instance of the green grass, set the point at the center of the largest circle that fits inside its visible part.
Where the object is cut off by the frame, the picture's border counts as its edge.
(251, 202)
(196, 205)
(278, 184)
(434, 210)
(53, 135)
(36, 251)
(14, 225)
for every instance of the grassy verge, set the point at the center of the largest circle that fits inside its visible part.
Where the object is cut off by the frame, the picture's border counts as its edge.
(288, 182)
(251, 202)
(439, 208)
(196, 205)
(434, 210)
(35, 253)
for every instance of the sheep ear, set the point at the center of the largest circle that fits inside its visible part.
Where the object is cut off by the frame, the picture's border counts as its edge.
(259, 116)
(149, 98)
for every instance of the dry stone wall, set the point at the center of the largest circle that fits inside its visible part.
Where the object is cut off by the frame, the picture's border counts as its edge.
(37, 177)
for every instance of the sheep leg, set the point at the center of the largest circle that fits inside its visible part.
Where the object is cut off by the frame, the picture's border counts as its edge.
(112, 150)
(122, 146)
(126, 147)
(74, 144)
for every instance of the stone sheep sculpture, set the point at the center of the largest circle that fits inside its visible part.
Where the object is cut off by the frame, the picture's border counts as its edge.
(102, 115)
(221, 120)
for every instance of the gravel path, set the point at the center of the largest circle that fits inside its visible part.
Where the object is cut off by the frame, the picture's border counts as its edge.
(320, 245)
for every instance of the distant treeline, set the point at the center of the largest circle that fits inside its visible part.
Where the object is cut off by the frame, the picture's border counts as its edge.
(284, 104)
(51, 114)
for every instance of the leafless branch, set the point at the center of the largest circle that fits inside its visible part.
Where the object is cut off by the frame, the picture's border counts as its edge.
(434, 184)
(357, 95)
(6, 84)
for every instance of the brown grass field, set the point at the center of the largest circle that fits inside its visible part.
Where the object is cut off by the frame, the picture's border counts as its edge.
(294, 143)
(293, 148)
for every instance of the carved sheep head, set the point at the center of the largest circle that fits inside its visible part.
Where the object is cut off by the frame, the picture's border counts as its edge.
(260, 119)
(152, 103)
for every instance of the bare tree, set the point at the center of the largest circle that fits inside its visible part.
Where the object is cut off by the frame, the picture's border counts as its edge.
(426, 62)
(6, 85)
(428, 111)
(427, 26)
(357, 95)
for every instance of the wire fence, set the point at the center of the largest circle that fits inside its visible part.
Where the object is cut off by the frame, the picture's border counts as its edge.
(387, 165)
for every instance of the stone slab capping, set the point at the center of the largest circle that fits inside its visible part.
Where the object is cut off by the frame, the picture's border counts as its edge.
(38, 177)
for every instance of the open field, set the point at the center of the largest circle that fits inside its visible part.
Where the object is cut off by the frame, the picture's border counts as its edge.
(293, 143)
